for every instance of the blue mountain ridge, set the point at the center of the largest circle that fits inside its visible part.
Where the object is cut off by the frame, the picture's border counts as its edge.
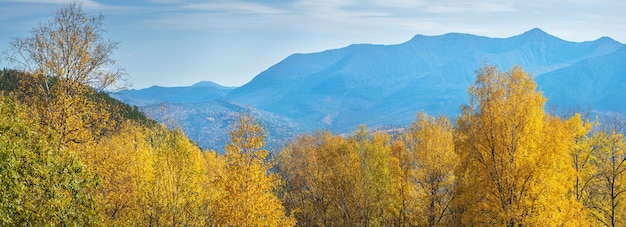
(598, 83)
(386, 85)
(199, 92)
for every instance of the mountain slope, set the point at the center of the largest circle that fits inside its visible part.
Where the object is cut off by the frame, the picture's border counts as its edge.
(599, 83)
(378, 84)
(199, 92)
(208, 123)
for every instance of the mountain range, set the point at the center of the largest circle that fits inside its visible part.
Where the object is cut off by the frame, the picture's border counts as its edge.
(384, 86)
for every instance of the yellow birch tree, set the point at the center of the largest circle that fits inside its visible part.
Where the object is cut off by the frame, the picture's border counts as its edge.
(515, 167)
(431, 146)
(247, 186)
(608, 190)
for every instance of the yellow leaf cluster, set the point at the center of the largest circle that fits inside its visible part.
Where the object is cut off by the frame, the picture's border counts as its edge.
(246, 185)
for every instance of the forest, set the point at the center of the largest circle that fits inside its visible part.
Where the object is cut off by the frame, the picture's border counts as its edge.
(72, 156)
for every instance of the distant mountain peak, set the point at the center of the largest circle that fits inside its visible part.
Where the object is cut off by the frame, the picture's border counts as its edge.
(210, 84)
(606, 39)
(536, 31)
(448, 36)
(205, 84)
(537, 34)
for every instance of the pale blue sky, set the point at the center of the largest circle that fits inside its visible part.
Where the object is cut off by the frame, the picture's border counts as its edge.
(180, 42)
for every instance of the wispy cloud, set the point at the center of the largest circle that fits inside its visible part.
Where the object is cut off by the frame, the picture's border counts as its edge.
(86, 3)
(401, 4)
(207, 15)
(339, 13)
(469, 7)
(343, 16)
(234, 7)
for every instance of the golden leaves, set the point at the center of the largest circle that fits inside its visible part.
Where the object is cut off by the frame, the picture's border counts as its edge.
(246, 185)
(511, 152)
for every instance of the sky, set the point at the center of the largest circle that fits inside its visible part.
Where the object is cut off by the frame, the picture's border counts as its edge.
(181, 42)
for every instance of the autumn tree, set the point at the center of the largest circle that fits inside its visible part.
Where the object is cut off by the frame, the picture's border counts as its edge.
(247, 185)
(149, 176)
(331, 180)
(376, 182)
(315, 177)
(607, 190)
(583, 156)
(406, 207)
(175, 180)
(215, 166)
(66, 59)
(514, 157)
(432, 163)
(310, 185)
(69, 47)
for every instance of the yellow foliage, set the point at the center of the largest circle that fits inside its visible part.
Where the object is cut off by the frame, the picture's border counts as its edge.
(336, 181)
(40, 185)
(246, 186)
(515, 166)
(607, 190)
(431, 146)
(149, 177)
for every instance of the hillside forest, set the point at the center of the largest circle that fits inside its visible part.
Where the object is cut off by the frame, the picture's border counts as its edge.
(72, 156)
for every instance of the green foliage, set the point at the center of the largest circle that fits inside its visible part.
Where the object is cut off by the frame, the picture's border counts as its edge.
(40, 184)
(9, 80)
(16, 84)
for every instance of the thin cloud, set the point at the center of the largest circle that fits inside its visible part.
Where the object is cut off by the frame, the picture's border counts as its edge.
(492, 7)
(445, 8)
(401, 4)
(234, 7)
(340, 12)
(86, 3)
(469, 7)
